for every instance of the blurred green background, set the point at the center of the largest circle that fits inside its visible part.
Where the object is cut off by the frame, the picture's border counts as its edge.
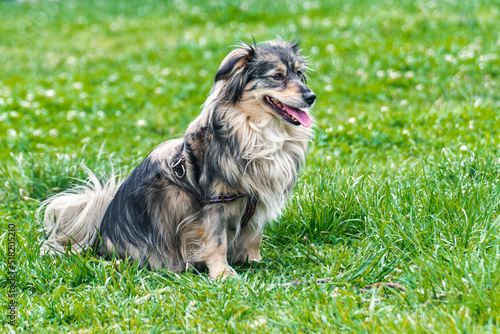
(401, 182)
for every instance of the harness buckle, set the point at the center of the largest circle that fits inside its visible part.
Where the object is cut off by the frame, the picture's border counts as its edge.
(175, 167)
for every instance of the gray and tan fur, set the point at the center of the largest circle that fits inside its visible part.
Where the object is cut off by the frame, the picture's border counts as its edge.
(240, 143)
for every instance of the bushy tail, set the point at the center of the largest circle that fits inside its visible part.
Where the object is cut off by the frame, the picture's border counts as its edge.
(75, 215)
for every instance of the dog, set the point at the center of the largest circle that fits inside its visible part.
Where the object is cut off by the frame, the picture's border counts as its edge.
(202, 201)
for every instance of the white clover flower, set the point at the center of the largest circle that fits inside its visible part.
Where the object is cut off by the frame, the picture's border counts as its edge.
(53, 132)
(394, 74)
(165, 72)
(328, 88)
(409, 74)
(406, 132)
(259, 322)
(305, 22)
(352, 120)
(487, 57)
(463, 148)
(478, 102)
(101, 114)
(361, 73)
(141, 122)
(11, 133)
(77, 85)
(203, 73)
(404, 102)
(419, 87)
(113, 77)
(115, 26)
(450, 59)
(37, 132)
(14, 114)
(50, 93)
(384, 109)
(71, 60)
(466, 55)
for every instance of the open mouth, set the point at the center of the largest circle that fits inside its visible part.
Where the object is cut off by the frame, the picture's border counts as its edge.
(292, 115)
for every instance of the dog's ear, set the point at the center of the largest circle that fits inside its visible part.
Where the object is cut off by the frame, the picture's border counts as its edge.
(233, 72)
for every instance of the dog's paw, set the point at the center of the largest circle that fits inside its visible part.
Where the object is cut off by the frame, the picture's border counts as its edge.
(223, 273)
(253, 256)
(255, 259)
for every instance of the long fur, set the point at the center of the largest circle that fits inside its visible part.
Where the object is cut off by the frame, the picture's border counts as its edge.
(73, 216)
(238, 144)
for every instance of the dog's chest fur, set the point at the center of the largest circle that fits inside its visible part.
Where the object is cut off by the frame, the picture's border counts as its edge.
(260, 158)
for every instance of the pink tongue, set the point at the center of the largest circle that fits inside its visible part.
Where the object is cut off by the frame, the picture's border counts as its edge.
(300, 115)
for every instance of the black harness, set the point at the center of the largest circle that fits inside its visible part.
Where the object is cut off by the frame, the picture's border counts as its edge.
(179, 170)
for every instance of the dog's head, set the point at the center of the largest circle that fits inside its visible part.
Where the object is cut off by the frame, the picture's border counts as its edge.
(272, 76)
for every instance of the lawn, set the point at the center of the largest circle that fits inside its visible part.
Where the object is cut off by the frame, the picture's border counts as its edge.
(397, 205)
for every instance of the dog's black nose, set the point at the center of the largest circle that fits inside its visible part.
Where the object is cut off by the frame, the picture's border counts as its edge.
(309, 97)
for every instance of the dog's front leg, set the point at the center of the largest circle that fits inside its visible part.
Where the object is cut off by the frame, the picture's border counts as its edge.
(249, 240)
(213, 246)
(216, 260)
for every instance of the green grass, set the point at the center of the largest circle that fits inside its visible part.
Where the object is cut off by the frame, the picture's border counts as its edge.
(401, 182)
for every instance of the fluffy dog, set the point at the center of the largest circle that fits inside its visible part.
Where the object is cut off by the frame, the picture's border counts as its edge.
(204, 199)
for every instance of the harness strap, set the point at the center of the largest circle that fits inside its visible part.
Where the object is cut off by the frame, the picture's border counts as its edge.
(180, 172)
(249, 211)
(224, 198)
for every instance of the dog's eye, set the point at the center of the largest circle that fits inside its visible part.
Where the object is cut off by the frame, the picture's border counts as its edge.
(301, 76)
(278, 76)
